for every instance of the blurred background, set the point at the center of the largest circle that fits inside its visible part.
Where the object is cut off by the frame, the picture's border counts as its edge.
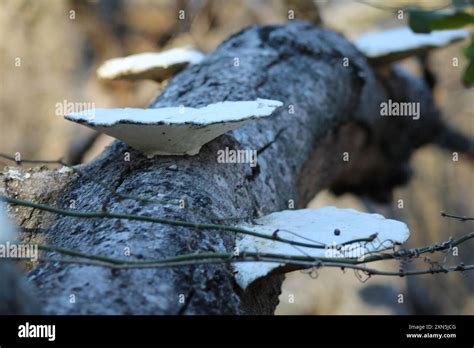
(50, 50)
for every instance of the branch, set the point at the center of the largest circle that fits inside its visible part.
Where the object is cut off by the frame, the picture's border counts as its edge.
(402, 253)
(303, 261)
(180, 223)
(457, 217)
(213, 258)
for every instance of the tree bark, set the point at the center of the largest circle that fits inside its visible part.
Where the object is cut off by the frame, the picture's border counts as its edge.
(336, 111)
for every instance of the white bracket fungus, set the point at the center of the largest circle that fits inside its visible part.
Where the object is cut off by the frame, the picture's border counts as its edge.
(152, 66)
(174, 130)
(387, 46)
(339, 233)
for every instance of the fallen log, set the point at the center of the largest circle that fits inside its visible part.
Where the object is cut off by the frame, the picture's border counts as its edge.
(329, 134)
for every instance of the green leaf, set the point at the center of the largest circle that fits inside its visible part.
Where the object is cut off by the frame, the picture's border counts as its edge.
(469, 50)
(468, 76)
(421, 21)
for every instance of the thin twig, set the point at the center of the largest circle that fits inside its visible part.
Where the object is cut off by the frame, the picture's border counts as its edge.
(274, 237)
(180, 223)
(299, 260)
(260, 258)
(457, 217)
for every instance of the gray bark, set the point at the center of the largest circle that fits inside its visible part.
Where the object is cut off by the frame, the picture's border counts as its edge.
(337, 110)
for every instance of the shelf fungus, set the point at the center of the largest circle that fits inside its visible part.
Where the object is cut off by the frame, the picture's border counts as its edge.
(388, 46)
(327, 232)
(174, 130)
(152, 66)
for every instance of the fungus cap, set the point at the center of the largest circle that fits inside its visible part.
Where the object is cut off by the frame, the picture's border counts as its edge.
(387, 46)
(328, 227)
(152, 66)
(174, 130)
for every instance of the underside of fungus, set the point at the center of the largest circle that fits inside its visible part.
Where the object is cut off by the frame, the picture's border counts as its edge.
(328, 232)
(174, 130)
